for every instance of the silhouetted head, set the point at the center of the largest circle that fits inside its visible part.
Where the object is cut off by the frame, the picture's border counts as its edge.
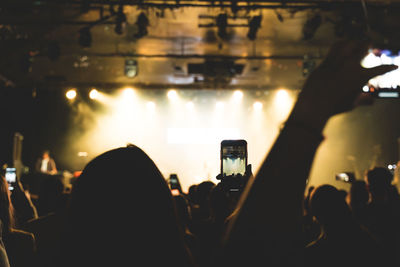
(183, 210)
(359, 195)
(192, 193)
(51, 195)
(203, 190)
(379, 181)
(122, 211)
(220, 203)
(328, 206)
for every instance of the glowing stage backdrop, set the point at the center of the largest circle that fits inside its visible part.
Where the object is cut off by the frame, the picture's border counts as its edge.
(182, 130)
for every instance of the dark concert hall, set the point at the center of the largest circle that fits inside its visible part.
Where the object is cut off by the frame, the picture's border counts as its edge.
(198, 133)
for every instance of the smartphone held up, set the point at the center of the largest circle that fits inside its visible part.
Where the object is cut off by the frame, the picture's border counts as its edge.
(233, 157)
(11, 178)
(347, 177)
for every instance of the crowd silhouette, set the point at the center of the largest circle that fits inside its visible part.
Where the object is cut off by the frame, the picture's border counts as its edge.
(120, 211)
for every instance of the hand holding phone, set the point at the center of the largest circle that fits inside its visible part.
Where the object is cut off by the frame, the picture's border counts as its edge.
(347, 177)
(233, 157)
(11, 178)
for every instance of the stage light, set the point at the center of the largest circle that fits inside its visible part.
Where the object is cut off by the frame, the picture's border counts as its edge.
(71, 94)
(190, 105)
(254, 25)
(128, 93)
(131, 68)
(257, 105)
(172, 95)
(219, 105)
(142, 23)
(282, 97)
(238, 95)
(85, 37)
(222, 23)
(94, 94)
(151, 105)
(120, 20)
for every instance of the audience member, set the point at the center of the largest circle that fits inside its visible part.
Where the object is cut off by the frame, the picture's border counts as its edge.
(358, 198)
(47, 229)
(343, 242)
(20, 245)
(266, 230)
(383, 209)
(24, 208)
(122, 213)
(185, 218)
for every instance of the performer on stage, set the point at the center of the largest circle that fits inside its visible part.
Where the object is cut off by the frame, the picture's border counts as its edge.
(46, 164)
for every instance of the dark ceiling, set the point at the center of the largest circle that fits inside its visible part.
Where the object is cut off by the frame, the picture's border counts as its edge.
(178, 44)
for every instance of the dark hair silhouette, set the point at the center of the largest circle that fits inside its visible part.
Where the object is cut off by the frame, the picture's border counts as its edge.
(379, 181)
(122, 212)
(7, 216)
(328, 205)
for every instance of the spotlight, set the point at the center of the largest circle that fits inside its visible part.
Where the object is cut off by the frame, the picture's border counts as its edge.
(257, 105)
(254, 25)
(71, 94)
(219, 105)
(131, 68)
(94, 94)
(238, 95)
(222, 23)
(190, 105)
(282, 97)
(128, 93)
(172, 95)
(151, 105)
(311, 26)
(120, 20)
(142, 23)
(85, 37)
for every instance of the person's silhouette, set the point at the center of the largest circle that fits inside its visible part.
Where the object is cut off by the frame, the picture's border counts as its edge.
(343, 242)
(122, 213)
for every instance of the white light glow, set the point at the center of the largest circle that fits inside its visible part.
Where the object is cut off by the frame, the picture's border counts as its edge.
(238, 95)
(258, 105)
(282, 97)
(94, 94)
(365, 88)
(201, 135)
(128, 93)
(71, 94)
(162, 128)
(172, 95)
(151, 105)
(190, 105)
(388, 80)
(219, 105)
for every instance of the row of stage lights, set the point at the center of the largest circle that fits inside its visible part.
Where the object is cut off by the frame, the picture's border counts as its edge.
(94, 94)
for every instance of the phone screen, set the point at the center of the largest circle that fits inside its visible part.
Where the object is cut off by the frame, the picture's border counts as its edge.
(233, 157)
(387, 85)
(11, 177)
(173, 181)
(347, 177)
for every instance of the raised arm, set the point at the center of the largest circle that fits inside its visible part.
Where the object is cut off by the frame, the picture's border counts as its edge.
(267, 228)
